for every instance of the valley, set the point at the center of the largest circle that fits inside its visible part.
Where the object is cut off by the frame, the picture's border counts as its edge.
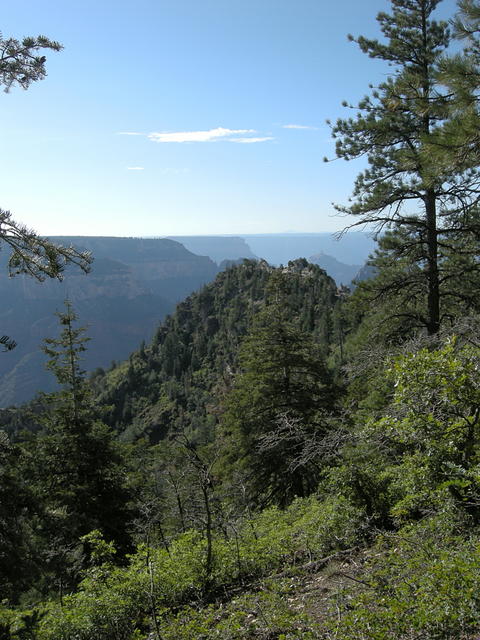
(134, 284)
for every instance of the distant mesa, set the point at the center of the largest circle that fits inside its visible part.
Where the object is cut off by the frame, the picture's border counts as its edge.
(218, 248)
(280, 248)
(352, 249)
(342, 273)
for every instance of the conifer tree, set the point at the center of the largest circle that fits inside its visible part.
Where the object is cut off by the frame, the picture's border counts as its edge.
(282, 379)
(77, 467)
(423, 203)
(20, 63)
(16, 505)
(458, 145)
(65, 356)
(31, 254)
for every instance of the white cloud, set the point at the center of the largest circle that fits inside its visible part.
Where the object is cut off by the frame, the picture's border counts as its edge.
(129, 133)
(250, 140)
(212, 135)
(299, 126)
(135, 168)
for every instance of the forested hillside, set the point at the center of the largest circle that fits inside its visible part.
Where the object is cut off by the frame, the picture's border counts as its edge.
(132, 285)
(174, 383)
(286, 459)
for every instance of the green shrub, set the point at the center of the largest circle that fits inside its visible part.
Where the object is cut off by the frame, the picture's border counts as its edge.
(117, 603)
(422, 582)
(263, 615)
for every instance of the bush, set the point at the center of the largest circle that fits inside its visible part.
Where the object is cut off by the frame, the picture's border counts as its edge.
(115, 603)
(422, 582)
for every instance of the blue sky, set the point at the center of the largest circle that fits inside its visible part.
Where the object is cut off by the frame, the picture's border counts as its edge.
(227, 101)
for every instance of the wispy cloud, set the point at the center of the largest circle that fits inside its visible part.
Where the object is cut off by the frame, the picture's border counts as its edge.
(212, 135)
(250, 140)
(135, 168)
(242, 136)
(299, 126)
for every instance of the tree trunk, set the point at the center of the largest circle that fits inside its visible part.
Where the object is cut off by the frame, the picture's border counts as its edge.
(433, 324)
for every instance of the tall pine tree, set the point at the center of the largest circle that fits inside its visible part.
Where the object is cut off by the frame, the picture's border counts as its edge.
(421, 202)
(77, 467)
(278, 399)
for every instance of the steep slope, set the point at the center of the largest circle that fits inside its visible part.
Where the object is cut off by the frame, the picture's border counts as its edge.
(163, 266)
(134, 283)
(175, 383)
(365, 273)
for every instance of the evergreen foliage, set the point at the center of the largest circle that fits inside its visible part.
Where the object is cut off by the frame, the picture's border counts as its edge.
(20, 63)
(16, 501)
(75, 466)
(457, 146)
(427, 206)
(30, 253)
(177, 382)
(283, 382)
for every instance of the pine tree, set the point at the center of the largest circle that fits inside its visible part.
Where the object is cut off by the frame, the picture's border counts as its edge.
(282, 386)
(459, 143)
(30, 253)
(20, 63)
(423, 203)
(77, 467)
(65, 363)
(17, 567)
